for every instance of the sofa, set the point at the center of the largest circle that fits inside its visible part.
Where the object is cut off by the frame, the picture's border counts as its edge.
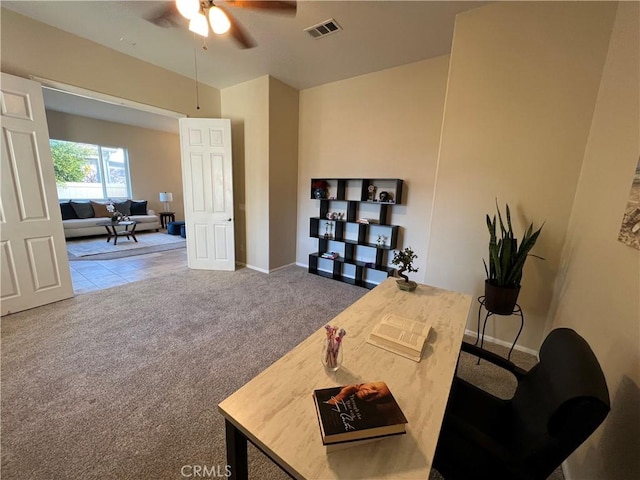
(79, 218)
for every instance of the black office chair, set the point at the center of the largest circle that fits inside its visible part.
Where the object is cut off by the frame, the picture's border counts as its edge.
(556, 406)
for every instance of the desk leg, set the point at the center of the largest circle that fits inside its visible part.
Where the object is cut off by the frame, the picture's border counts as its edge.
(236, 452)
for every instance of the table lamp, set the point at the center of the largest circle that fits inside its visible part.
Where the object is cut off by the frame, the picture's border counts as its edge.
(166, 197)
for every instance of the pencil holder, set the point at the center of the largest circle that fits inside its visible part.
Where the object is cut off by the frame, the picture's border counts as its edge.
(331, 355)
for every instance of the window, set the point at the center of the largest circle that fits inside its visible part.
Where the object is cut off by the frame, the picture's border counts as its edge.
(90, 172)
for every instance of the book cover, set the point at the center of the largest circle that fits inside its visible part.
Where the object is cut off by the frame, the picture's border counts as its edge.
(358, 411)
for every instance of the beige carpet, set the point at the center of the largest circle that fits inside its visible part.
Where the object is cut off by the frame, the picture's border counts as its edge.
(83, 247)
(124, 383)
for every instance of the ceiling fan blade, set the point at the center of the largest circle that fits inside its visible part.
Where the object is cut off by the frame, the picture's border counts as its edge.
(238, 32)
(166, 16)
(280, 6)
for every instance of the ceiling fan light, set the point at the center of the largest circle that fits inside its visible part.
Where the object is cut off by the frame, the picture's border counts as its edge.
(219, 21)
(188, 8)
(198, 24)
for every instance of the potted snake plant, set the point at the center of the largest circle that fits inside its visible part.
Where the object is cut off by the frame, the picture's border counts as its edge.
(506, 262)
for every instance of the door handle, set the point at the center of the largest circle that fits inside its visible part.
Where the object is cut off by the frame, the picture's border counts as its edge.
(228, 219)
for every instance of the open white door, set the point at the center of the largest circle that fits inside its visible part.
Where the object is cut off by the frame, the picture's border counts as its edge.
(33, 256)
(208, 193)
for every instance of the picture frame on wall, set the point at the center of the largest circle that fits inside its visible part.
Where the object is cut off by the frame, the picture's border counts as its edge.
(630, 229)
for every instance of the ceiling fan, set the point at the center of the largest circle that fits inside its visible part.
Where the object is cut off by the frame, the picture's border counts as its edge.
(204, 13)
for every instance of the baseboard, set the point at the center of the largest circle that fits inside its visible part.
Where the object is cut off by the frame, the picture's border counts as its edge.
(280, 268)
(257, 269)
(502, 343)
(303, 265)
(262, 270)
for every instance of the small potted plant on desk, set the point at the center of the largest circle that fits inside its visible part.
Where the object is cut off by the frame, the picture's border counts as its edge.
(506, 261)
(404, 258)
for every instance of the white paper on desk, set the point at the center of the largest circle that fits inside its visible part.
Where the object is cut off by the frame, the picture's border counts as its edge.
(400, 335)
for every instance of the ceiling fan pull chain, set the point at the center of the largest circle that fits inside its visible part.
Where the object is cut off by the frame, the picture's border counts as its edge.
(195, 61)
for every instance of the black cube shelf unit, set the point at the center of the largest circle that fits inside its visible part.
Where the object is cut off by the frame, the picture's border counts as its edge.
(365, 245)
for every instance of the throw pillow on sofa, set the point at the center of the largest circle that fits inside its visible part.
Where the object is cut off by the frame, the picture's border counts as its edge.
(82, 209)
(100, 210)
(123, 207)
(67, 211)
(138, 208)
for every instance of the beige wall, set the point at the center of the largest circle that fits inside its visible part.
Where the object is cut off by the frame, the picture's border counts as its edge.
(33, 48)
(598, 290)
(264, 127)
(247, 105)
(520, 97)
(283, 172)
(382, 125)
(154, 156)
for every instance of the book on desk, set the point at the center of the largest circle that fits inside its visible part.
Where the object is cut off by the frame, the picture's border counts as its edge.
(400, 335)
(358, 413)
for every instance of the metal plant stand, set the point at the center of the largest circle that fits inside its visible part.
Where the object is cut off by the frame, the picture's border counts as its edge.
(516, 311)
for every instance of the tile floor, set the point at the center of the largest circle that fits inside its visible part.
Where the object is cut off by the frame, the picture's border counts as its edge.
(92, 275)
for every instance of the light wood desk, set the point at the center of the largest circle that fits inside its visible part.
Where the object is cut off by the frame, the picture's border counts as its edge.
(275, 410)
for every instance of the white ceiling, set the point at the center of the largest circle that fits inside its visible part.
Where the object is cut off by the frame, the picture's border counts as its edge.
(110, 111)
(376, 35)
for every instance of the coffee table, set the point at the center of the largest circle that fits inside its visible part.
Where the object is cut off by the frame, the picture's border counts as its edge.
(112, 230)
(275, 410)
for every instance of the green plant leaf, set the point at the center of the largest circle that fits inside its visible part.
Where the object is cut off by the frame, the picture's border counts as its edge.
(493, 247)
(495, 260)
(527, 244)
(506, 255)
(502, 229)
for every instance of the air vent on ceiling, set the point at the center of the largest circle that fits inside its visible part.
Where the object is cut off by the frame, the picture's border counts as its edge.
(324, 28)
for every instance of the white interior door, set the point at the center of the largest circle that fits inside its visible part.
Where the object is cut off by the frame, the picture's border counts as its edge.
(33, 257)
(208, 193)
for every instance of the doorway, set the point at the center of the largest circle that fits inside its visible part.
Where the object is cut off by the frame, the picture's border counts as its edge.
(92, 116)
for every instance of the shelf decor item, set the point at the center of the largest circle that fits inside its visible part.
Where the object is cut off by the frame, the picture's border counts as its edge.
(320, 189)
(371, 189)
(405, 259)
(506, 261)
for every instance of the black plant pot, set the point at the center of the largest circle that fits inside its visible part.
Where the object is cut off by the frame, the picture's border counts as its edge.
(500, 300)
